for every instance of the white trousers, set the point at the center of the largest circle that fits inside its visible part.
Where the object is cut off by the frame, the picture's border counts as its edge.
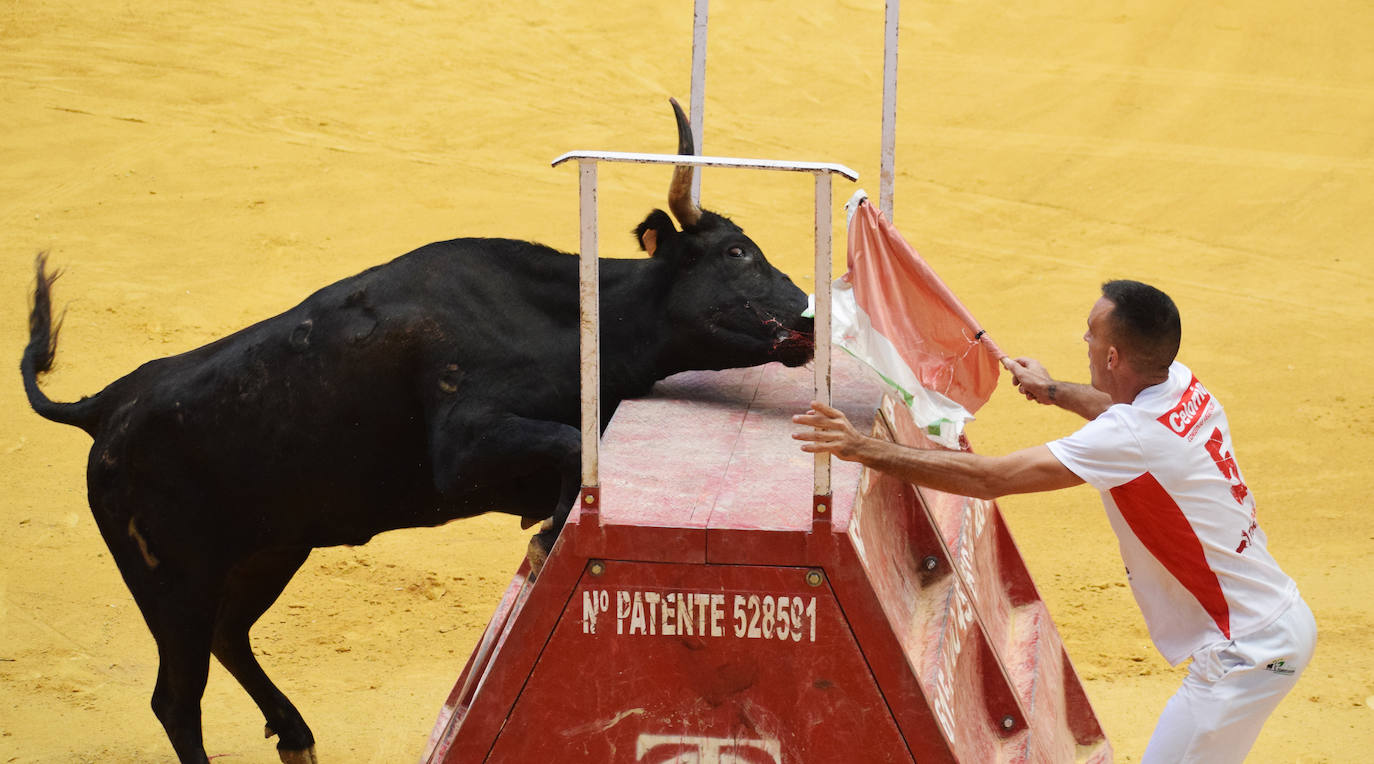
(1231, 688)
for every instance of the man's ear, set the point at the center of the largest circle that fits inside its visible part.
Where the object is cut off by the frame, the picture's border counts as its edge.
(656, 230)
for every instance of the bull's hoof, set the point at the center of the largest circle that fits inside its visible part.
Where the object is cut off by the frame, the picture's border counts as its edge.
(306, 756)
(537, 553)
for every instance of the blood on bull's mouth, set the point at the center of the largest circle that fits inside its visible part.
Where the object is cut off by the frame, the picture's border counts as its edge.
(787, 340)
(786, 335)
(792, 337)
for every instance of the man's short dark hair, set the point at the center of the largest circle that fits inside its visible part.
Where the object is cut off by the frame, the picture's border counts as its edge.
(1145, 324)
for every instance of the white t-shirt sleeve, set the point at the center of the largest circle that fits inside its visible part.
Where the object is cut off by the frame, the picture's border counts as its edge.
(1104, 452)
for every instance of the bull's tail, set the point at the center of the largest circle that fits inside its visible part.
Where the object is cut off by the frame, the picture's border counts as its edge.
(40, 352)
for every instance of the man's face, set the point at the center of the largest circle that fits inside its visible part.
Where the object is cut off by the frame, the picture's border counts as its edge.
(1099, 341)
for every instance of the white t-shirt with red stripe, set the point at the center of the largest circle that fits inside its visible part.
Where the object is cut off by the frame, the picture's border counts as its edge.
(1195, 556)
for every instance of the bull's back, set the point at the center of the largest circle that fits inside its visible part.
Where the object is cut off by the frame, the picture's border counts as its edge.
(322, 413)
(365, 343)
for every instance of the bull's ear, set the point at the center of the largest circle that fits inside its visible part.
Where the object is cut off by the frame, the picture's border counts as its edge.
(656, 230)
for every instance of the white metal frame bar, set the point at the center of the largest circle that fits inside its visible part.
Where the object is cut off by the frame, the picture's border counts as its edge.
(589, 298)
(697, 113)
(703, 161)
(887, 174)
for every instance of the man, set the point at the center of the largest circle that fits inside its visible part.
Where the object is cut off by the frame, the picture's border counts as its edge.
(1158, 448)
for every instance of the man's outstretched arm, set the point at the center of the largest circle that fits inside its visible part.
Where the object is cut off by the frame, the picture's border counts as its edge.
(957, 472)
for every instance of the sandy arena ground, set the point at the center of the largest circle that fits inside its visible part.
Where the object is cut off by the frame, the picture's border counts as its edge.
(198, 166)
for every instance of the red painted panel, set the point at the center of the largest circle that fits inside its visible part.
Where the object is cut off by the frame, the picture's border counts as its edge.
(652, 662)
(931, 614)
(975, 619)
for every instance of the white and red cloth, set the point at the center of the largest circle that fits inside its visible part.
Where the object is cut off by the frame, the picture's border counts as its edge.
(891, 311)
(1184, 518)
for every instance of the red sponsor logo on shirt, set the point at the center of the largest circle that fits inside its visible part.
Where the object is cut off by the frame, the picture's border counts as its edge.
(1184, 417)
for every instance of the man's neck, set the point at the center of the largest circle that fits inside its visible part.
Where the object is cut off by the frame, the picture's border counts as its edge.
(1132, 385)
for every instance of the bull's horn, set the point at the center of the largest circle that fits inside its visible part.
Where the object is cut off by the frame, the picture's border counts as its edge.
(680, 190)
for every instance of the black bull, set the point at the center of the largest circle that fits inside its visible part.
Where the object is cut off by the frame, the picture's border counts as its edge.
(443, 384)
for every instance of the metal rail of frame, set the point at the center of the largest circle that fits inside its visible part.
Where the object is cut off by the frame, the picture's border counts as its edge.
(588, 292)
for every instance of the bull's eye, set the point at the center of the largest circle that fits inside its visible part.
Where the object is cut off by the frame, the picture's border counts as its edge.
(736, 252)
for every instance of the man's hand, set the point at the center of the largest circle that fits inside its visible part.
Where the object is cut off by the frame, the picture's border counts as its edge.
(1033, 381)
(833, 433)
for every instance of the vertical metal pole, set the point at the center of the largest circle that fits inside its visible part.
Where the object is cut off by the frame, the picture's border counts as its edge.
(698, 101)
(886, 171)
(590, 304)
(821, 506)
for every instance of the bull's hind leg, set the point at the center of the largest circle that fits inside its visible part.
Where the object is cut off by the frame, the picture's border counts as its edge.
(183, 651)
(249, 590)
(178, 604)
(180, 612)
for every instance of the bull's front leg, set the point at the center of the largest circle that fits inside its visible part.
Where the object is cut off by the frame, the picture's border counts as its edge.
(541, 543)
(486, 453)
(563, 446)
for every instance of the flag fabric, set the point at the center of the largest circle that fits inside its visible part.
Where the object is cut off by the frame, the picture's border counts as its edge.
(893, 312)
